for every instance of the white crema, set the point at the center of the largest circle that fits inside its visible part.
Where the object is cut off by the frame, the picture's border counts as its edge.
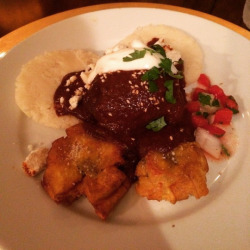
(113, 60)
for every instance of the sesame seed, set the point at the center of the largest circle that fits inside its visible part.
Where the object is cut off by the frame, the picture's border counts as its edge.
(181, 129)
(110, 114)
(171, 137)
(127, 101)
(145, 110)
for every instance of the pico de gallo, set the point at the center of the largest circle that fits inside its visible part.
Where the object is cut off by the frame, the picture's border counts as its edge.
(210, 108)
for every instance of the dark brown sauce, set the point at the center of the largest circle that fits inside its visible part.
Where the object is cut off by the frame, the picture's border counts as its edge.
(120, 102)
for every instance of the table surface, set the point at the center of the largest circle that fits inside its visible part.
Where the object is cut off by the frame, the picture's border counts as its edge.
(20, 34)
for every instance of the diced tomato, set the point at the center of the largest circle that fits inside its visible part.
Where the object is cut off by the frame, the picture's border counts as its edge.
(196, 92)
(204, 80)
(193, 106)
(214, 130)
(217, 92)
(223, 116)
(232, 104)
(199, 121)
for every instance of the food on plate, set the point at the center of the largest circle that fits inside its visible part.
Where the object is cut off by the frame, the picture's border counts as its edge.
(190, 50)
(35, 162)
(127, 119)
(173, 176)
(38, 79)
(88, 161)
(212, 112)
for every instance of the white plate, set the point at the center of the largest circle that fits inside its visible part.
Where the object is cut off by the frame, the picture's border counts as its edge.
(30, 220)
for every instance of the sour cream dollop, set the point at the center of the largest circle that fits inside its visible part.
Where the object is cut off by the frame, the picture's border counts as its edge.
(113, 60)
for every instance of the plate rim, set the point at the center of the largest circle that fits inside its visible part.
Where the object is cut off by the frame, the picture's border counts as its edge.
(13, 38)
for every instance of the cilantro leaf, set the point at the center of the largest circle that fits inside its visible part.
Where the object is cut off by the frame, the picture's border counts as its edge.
(157, 125)
(204, 99)
(137, 54)
(166, 64)
(159, 49)
(152, 87)
(177, 76)
(216, 103)
(151, 75)
(169, 95)
(225, 151)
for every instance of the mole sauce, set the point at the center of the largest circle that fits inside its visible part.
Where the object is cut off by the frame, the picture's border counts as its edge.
(122, 103)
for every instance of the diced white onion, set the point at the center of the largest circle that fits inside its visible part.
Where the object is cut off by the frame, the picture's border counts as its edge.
(209, 143)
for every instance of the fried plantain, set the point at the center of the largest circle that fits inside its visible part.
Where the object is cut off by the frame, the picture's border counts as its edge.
(173, 176)
(83, 163)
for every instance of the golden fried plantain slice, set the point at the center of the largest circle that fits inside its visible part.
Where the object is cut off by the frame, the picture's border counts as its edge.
(173, 176)
(75, 157)
(105, 190)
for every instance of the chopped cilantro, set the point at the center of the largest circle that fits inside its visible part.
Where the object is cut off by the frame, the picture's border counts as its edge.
(216, 103)
(151, 74)
(224, 150)
(205, 114)
(166, 64)
(204, 99)
(159, 49)
(177, 76)
(235, 111)
(137, 54)
(157, 125)
(152, 87)
(169, 96)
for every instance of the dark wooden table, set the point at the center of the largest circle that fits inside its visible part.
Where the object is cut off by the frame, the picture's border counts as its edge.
(16, 13)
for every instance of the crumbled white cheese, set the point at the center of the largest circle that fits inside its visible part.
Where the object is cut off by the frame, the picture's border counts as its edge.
(73, 101)
(72, 78)
(61, 99)
(68, 82)
(79, 91)
(84, 77)
(35, 162)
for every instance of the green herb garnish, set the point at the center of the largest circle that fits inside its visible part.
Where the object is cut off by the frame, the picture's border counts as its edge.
(137, 54)
(159, 49)
(225, 151)
(152, 87)
(216, 103)
(204, 99)
(166, 65)
(157, 125)
(169, 95)
(150, 76)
